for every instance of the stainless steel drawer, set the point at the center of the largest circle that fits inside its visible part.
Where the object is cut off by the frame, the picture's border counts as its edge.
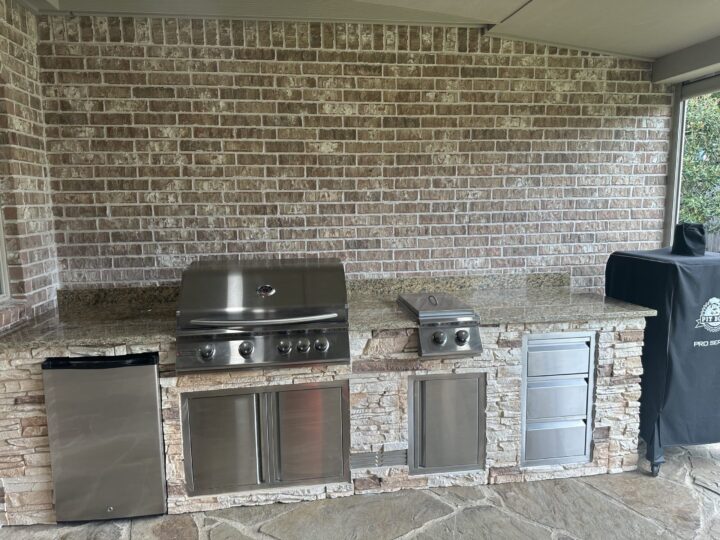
(548, 440)
(557, 358)
(556, 398)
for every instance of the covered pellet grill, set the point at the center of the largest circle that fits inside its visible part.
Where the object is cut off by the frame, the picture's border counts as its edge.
(681, 356)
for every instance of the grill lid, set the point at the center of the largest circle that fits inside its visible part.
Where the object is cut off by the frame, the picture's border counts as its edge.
(262, 293)
(427, 306)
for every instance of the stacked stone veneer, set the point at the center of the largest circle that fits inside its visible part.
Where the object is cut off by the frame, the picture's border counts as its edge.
(174, 387)
(401, 149)
(25, 476)
(379, 391)
(378, 375)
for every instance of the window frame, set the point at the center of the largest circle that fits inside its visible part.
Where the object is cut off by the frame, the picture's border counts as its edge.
(4, 268)
(677, 144)
(682, 92)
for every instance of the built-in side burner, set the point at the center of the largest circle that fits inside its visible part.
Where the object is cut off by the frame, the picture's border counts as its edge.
(448, 327)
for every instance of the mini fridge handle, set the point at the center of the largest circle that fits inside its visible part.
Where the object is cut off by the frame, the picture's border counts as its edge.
(102, 362)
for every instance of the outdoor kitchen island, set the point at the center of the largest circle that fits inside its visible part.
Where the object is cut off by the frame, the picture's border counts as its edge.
(381, 376)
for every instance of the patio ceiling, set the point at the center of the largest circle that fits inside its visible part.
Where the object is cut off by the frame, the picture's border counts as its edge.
(641, 28)
(649, 29)
(466, 12)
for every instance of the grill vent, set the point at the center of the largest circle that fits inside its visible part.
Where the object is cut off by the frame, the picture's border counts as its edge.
(365, 460)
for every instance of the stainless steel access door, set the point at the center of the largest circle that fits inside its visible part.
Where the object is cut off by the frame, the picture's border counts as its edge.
(447, 422)
(106, 446)
(309, 438)
(248, 438)
(224, 439)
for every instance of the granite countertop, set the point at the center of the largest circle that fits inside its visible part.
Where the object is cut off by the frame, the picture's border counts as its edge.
(503, 306)
(103, 324)
(95, 327)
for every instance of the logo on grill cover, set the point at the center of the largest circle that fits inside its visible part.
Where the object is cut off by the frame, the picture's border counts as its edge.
(710, 316)
(265, 290)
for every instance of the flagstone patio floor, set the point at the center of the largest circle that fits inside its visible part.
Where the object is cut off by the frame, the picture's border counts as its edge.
(683, 502)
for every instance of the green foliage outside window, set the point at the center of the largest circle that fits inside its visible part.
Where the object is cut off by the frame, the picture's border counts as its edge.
(700, 188)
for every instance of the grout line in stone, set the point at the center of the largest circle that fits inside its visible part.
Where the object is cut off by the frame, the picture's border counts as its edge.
(422, 528)
(502, 507)
(620, 503)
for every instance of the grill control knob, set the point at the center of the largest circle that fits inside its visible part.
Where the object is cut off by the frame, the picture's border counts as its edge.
(207, 351)
(322, 344)
(284, 347)
(246, 348)
(439, 337)
(303, 345)
(462, 336)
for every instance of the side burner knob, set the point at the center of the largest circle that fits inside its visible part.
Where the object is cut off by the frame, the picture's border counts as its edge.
(462, 336)
(322, 344)
(246, 348)
(284, 347)
(439, 337)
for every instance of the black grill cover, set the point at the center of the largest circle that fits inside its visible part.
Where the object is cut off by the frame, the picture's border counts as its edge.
(680, 401)
(689, 239)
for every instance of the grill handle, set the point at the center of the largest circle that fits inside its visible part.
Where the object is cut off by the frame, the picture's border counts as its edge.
(264, 322)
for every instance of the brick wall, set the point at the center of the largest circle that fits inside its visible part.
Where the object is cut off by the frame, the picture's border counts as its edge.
(403, 150)
(24, 183)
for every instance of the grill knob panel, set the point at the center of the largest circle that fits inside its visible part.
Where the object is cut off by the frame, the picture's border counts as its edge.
(246, 348)
(206, 351)
(322, 344)
(284, 347)
(439, 337)
(303, 345)
(462, 336)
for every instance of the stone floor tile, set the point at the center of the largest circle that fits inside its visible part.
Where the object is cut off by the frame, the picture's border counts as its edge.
(683, 502)
(171, 527)
(102, 530)
(465, 495)
(372, 517)
(251, 515)
(35, 532)
(705, 474)
(680, 513)
(712, 530)
(481, 522)
(225, 531)
(574, 507)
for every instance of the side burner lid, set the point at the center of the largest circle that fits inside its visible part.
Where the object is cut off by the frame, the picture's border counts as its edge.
(432, 306)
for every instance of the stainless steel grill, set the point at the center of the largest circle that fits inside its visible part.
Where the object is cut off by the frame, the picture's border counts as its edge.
(245, 314)
(448, 327)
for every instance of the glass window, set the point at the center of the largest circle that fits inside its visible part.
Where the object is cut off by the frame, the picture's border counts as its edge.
(700, 178)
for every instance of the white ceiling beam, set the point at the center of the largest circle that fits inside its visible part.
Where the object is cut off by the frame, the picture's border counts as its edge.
(689, 63)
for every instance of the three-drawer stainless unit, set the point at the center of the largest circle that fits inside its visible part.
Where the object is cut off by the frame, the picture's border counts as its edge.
(557, 398)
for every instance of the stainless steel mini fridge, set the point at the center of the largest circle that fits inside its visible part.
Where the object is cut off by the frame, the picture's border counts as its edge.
(106, 446)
